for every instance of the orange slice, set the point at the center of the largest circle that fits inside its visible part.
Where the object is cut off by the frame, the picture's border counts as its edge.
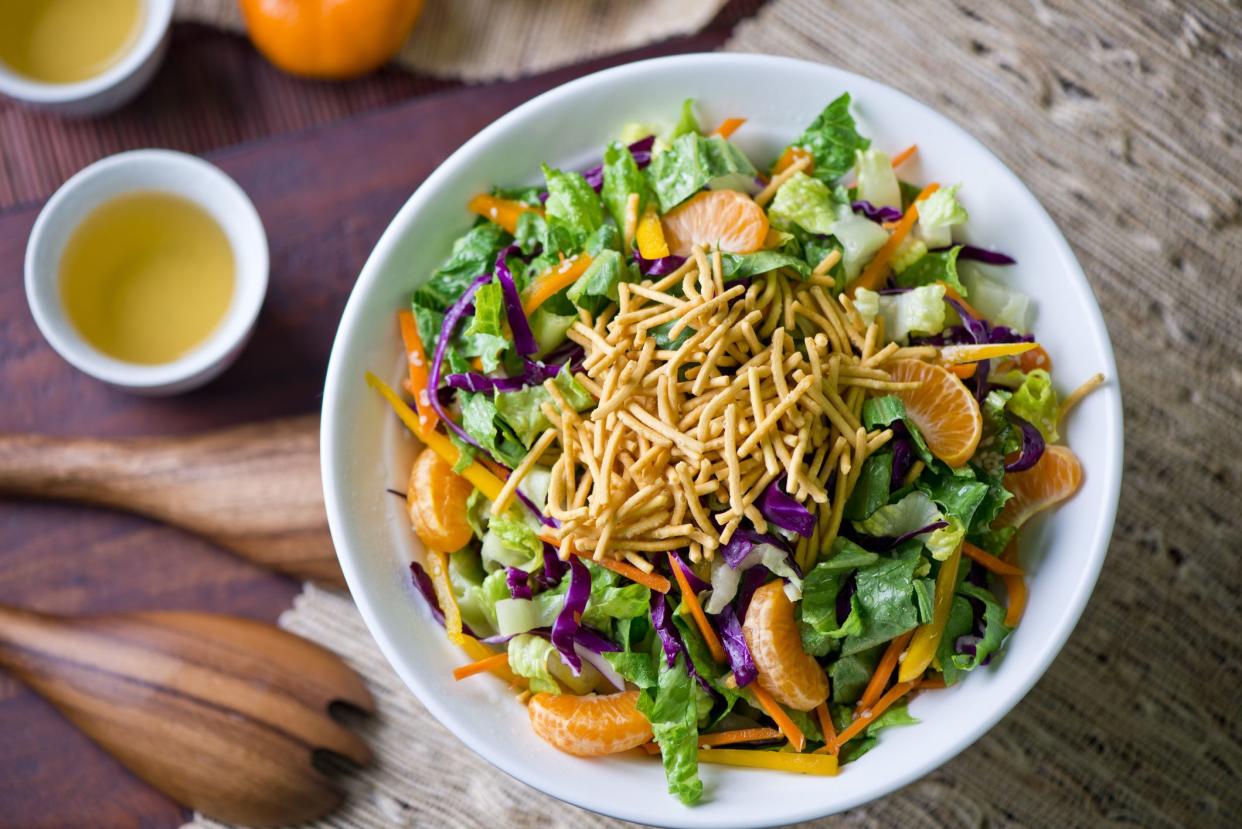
(786, 671)
(1055, 477)
(590, 726)
(942, 407)
(716, 218)
(437, 501)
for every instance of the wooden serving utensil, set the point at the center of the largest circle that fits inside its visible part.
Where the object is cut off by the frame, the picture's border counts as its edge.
(254, 489)
(222, 714)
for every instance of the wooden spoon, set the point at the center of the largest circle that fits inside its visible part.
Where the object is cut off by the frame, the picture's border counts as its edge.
(221, 714)
(253, 489)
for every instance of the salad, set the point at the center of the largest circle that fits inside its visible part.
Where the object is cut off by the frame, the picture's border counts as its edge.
(726, 463)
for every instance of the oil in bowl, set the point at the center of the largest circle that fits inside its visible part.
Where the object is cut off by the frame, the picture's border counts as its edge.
(66, 41)
(147, 277)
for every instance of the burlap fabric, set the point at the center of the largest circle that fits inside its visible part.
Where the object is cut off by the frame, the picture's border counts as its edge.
(1124, 121)
(483, 40)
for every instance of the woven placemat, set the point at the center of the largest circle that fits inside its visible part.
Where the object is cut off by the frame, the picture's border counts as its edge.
(1123, 120)
(484, 40)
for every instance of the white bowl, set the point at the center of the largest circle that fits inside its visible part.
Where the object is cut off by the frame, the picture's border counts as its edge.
(364, 450)
(149, 170)
(109, 90)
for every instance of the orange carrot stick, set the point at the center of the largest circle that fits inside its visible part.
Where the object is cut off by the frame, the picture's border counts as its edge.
(652, 580)
(696, 610)
(728, 126)
(933, 684)
(877, 269)
(825, 725)
(485, 665)
(989, 561)
(789, 158)
(741, 735)
(416, 356)
(952, 294)
(883, 671)
(904, 156)
(787, 726)
(561, 275)
(504, 212)
(867, 717)
(1015, 586)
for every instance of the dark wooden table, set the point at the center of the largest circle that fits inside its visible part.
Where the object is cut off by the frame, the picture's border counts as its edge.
(326, 188)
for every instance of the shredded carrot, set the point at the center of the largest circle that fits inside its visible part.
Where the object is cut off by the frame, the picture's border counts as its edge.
(787, 726)
(934, 683)
(867, 717)
(696, 610)
(504, 212)
(790, 157)
(741, 735)
(964, 370)
(883, 671)
(485, 665)
(819, 764)
(825, 724)
(904, 156)
(554, 279)
(475, 473)
(728, 126)
(650, 235)
(926, 637)
(416, 356)
(877, 269)
(951, 293)
(1015, 586)
(989, 561)
(652, 580)
(495, 468)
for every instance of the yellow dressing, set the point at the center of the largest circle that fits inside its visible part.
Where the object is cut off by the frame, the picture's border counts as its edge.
(65, 41)
(146, 277)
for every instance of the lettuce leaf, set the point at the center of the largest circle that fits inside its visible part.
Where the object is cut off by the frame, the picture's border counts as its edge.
(850, 674)
(937, 214)
(572, 203)
(860, 238)
(832, 139)
(930, 268)
(806, 202)
(871, 491)
(521, 409)
(920, 310)
(529, 657)
(672, 709)
(742, 265)
(999, 303)
(687, 123)
(877, 183)
(885, 594)
(472, 254)
(958, 495)
(693, 162)
(1035, 401)
(597, 287)
(621, 178)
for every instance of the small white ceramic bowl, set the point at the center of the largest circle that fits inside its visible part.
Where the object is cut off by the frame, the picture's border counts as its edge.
(168, 172)
(112, 88)
(364, 449)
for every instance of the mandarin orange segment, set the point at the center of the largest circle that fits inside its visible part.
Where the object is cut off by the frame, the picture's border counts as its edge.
(942, 407)
(437, 502)
(590, 726)
(1055, 477)
(1035, 358)
(716, 218)
(786, 671)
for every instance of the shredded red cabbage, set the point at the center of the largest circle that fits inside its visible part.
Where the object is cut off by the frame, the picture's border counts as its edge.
(903, 454)
(553, 568)
(640, 150)
(452, 316)
(1032, 446)
(743, 542)
(565, 628)
(876, 214)
(658, 267)
(519, 583)
(981, 331)
(422, 582)
(887, 542)
(662, 621)
(783, 510)
(523, 339)
(752, 580)
(740, 660)
(533, 374)
(696, 584)
(988, 257)
(594, 641)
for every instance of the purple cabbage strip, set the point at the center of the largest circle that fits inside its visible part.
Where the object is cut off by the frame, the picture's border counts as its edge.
(640, 150)
(546, 520)
(877, 214)
(784, 511)
(662, 621)
(752, 580)
(422, 582)
(966, 644)
(696, 584)
(519, 583)
(452, 316)
(594, 641)
(533, 374)
(553, 568)
(740, 660)
(658, 267)
(565, 628)
(903, 455)
(988, 257)
(1032, 446)
(887, 542)
(523, 339)
(843, 605)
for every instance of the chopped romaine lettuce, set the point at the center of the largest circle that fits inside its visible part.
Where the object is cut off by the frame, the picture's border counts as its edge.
(832, 139)
(910, 250)
(885, 595)
(621, 178)
(672, 709)
(572, 203)
(931, 268)
(920, 310)
(549, 327)
(860, 238)
(597, 287)
(742, 265)
(529, 656)
(693, 162)
(522, 411)
(996, 301)
(877, 183)
(937, 214)
(806, 202)
(1035, 401)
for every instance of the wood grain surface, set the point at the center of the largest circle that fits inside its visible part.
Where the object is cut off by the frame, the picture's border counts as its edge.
(325, 192)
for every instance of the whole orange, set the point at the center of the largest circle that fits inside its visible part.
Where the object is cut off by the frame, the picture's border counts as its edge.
(329, 38)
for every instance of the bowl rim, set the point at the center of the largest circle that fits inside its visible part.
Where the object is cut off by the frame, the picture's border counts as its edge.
(332, 437)
(155, 25)
(251, 269)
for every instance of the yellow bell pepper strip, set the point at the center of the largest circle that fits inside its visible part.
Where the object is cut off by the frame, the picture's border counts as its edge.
(650, 235)
(955, 354)
(556, 278)
(787, 726)
(990, 562)
(728, 126)
(696, 610)
(416, 355)
(475, 473)
(877, 269)
(927, 637)
(437, 568)
(883, 670)
(824, 765)
(504, 212)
